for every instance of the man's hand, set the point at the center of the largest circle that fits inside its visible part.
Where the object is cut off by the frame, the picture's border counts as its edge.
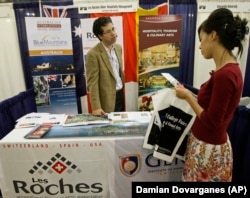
(98, 112)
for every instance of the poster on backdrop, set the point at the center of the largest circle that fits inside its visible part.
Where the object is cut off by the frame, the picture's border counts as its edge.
(159, 52)
(51, 64)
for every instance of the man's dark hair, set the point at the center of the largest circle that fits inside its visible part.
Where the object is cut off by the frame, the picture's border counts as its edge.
(99, 23)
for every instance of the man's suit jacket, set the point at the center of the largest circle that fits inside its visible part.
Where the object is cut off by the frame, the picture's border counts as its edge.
(101, 82)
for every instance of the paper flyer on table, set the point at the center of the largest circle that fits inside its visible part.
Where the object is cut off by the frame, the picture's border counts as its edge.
(33, 119)
(130, 116)
(84, 119)
(30, 120)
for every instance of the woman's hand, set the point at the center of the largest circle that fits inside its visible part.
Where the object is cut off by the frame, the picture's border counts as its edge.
(182, 92)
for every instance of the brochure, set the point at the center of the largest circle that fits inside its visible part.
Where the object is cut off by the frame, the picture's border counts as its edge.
(127, 129)
(130, 116)
(30, 120)
(39, 131)
(34, 119)
(171, 79)
(84, 119)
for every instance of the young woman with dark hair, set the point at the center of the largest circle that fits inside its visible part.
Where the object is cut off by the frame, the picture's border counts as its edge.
(209, 154)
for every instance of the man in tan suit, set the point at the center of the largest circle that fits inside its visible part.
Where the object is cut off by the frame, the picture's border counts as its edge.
(105, 77)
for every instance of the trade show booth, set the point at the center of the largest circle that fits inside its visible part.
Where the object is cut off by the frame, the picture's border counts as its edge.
(36, 59)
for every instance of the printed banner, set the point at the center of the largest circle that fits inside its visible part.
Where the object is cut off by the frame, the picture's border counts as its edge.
(235, 6)
(51, 64)
(159, 52)
(101, 6)
(65, 169)
(85, 167)
(132, 163)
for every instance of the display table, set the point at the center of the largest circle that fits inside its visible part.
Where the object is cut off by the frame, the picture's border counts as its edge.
(75, 167)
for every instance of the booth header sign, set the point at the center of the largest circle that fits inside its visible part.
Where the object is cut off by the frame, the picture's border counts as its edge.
(234, 6)
(100, 6)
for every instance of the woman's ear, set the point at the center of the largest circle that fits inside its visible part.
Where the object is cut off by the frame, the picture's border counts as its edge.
(213, 35)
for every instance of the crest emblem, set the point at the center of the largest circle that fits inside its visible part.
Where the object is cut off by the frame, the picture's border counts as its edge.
(130, 164)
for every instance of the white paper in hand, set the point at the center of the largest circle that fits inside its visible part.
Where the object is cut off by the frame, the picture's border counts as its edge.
(171, 79)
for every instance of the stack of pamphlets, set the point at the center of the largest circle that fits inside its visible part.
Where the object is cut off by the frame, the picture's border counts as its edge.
(33, 119)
